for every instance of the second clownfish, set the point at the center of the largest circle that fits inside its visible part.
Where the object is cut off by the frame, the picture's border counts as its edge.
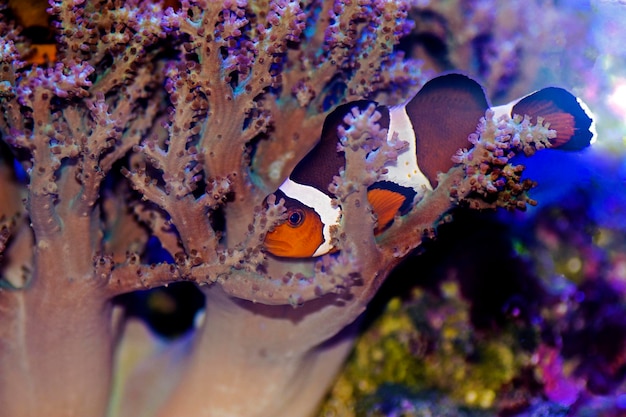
(436, 123)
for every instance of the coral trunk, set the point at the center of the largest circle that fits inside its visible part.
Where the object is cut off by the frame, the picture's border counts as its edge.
(241, 365)
(55, 353)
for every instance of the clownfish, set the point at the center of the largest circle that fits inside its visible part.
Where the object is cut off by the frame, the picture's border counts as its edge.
(435, 123)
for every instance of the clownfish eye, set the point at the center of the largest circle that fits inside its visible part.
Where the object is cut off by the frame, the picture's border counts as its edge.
(295, 217)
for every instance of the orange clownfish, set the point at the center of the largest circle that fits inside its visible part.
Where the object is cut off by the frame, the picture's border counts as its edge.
(433, 135)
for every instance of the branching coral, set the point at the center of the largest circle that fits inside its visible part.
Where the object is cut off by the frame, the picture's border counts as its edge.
(207, 108)
(488, 170)
(69, 122)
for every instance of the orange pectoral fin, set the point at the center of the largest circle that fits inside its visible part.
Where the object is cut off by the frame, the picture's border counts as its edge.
(385, 204)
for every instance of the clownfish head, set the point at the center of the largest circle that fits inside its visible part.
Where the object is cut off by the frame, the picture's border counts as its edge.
(306, 231)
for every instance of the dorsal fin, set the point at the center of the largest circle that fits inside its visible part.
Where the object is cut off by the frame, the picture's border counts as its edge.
(323, 162)
(565, 114)
(444, 113)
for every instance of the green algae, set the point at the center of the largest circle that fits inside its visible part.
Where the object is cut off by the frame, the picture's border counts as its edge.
(427, 344)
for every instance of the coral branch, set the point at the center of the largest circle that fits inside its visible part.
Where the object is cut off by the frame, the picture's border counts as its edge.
(487, 168)
(131, 275)
(376, 44)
